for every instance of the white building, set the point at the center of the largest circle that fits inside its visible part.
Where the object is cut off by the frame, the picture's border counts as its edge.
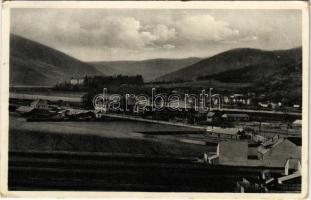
(77, 81)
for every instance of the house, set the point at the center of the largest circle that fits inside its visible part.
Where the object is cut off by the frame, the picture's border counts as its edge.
(235, 117)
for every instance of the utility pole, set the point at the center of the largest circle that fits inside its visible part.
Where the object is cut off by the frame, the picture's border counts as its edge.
(210, 98)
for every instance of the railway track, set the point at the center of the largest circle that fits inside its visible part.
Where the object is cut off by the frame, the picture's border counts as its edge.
(108, 172)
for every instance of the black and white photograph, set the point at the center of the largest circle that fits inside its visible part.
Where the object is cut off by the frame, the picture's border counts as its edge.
(175, 98)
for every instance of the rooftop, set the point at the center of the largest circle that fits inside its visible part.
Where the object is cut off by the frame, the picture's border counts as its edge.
(234, 115)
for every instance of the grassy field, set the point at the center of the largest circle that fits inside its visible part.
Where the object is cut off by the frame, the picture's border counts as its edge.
(110, 137)
(47, 92)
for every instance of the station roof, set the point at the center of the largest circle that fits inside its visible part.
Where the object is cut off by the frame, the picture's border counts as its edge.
(228, 131)
(234, 115)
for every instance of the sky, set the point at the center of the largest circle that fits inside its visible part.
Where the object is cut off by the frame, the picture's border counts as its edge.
(137, 34)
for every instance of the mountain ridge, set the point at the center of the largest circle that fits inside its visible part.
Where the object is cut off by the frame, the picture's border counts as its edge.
(148, 68)
(29, 59)
(231, 60)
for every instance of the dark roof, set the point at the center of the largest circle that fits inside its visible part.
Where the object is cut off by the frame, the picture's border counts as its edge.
(296, 140)
(24, 109)
(210, 114)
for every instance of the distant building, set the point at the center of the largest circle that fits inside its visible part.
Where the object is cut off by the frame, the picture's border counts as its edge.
(77, 81)
(100, 81)
(215, 102)
(211, 117)
(237, 99)
(235, 117)
(226, 99)
(296, 106)
(37, 104)
(37, 108)
(263, 105)
(237, 96)
(273, 105)
(248, 101)
(40, 104)
(297, 124)
(251, 94)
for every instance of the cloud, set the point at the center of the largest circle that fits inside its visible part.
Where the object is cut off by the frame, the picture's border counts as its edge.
(205, 28)
(123, 32)
(118, 32)
(161, 32)
(102, 34)
(249, 38)
(242, 40)
(168, 46)
(128, 32)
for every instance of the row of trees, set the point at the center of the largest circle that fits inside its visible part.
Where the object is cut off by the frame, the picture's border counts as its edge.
(91, 82)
